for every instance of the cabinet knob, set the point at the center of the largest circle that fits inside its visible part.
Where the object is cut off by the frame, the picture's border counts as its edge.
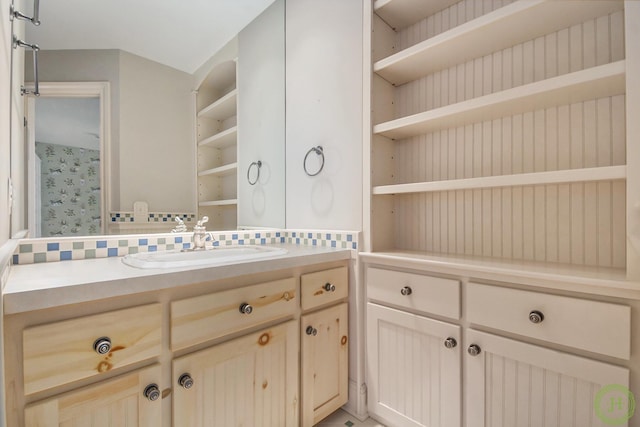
(474, 350)
(152, 392)
(329, 287)
(102, 345)
(536, 316)
(406, 291)
(450, 342)
(185, 381)
(245, 308)
(311, 331)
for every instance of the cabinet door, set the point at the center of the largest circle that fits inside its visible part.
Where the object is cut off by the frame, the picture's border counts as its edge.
(248, 381)
(511, 383)
(413, 366)
(325, 373)
(117, 402)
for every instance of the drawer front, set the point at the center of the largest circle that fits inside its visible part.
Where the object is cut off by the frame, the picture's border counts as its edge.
(323, 287)
(588, 325)
(202, 318)
(418, 292)
(62, 352)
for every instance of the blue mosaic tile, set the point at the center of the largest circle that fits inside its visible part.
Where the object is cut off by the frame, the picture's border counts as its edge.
(178, 239)
(112, 252)
(143, 242)
(153, 248)
(53, 247)
(65, 255)
(101, 244)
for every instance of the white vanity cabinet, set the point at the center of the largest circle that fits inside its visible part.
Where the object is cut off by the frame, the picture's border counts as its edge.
(413, 361)
(515, 357)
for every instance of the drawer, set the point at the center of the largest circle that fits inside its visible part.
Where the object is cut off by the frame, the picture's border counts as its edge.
(61, 352)
(417, 292)
(323, 287)
(202, 318)
(588, 325)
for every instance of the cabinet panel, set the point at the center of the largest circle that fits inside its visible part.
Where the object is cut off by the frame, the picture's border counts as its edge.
(414, 380)
(62, 352)
(249, 381)
(323, 287)
(589, 325)
(324, 370)
(117, 402)
(198, 319)
(517, 384)
(425, 293)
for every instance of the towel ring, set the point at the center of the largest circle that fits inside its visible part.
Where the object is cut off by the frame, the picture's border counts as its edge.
(320, 152)
(257, 164)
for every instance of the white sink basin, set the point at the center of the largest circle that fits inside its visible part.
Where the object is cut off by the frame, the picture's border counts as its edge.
(216, 256)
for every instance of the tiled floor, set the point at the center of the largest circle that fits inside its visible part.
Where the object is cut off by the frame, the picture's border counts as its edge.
(340, 419)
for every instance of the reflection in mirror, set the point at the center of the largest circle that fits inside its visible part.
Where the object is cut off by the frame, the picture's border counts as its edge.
(150, 173)
(66, 168)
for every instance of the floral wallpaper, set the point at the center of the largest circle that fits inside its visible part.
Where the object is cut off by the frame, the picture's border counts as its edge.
(70, 190)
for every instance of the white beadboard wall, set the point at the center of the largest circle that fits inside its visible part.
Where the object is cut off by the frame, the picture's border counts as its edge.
(578, 223)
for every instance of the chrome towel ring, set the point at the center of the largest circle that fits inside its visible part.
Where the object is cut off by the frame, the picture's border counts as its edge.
(257, 164)
(320, 152)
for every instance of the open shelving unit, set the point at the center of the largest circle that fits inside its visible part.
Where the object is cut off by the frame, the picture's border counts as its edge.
(217, 146)
(499, 131)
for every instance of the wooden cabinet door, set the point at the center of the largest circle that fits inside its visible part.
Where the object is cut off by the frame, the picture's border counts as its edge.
(324, 371)
(413, 377)
(116, 402)
(511, 383)
(248, 381)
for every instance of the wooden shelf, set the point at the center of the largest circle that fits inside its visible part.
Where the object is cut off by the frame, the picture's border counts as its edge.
(402, 13)
(229, 169)
(222, 108)
(522, 20)
(229, 202)
(223, 139)
(592, 83)
(607, 173)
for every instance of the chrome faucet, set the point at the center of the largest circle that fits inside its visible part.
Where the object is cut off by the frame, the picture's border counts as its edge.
(181, 227)
(200, 234)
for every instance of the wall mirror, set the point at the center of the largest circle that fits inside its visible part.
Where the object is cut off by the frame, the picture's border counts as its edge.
(148, 162)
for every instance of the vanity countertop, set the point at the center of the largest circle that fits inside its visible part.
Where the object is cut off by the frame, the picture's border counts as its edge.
(51, 284)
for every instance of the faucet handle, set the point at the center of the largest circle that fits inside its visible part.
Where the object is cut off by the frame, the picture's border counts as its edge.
(181, 227)
(203, 220)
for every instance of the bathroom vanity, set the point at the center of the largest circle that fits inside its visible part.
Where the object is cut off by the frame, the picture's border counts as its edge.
(258, 343)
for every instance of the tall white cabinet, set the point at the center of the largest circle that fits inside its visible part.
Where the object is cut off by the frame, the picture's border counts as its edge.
(503, 158)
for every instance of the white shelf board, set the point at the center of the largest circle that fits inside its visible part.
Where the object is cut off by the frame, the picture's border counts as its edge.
(220, 171)
(222, 108)
(402, 13)
(522, 20)
(606, 173)
(228, 202)
(592, 83)
(223, 139)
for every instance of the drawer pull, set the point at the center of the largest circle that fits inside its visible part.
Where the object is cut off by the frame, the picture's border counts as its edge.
(102, 345)
(406, 291)
(245, 308)
(450, 342)
(329, 287)
(185, 381)
(152, 392)
(474, 350)
(536, 316)
(311, 331)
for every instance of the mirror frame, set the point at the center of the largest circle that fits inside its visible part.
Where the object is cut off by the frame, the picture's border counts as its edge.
(102, 90)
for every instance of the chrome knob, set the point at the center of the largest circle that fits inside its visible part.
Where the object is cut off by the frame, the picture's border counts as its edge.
(536, 316)
(245, 308)
(102, 345)
(406, 291)
(450, 342)
(329, 287)
(474, 350)
(185, 381)
(311, 331)
(152, 392)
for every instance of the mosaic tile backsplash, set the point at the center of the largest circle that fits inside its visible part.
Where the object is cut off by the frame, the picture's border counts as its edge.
(153, 217)
(31, 251)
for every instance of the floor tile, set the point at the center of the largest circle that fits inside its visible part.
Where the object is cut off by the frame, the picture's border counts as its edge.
(341, 418)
